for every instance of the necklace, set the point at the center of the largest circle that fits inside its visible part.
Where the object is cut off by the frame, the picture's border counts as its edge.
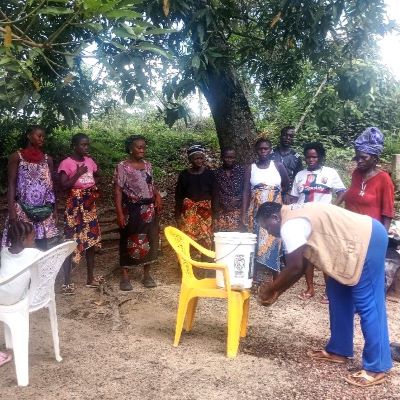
(363, 187)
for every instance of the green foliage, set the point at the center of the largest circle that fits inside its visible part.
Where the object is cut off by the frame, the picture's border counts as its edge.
(332, 119)
(341, 160)
(42, 44)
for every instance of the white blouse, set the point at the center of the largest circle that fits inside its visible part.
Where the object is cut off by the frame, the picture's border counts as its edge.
(267, 176)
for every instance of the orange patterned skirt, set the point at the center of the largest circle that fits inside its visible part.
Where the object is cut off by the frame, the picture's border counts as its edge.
(197, 221)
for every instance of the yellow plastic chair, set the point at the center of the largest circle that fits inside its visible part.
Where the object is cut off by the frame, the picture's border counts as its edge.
(193, 288)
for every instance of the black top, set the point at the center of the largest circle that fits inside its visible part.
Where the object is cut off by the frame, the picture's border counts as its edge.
(291, 160)
(195, 187)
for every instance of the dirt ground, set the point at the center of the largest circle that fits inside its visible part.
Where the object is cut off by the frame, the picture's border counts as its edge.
(123, 348)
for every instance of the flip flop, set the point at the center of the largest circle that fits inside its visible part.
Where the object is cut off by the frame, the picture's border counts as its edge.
(362, 379)
(323, 355)
(96, 282)
(324, 299)
(5, 358)
(93, 285)
(68, 290)
(305, 296)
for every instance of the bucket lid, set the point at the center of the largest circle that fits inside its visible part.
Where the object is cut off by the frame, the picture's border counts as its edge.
(235, 235)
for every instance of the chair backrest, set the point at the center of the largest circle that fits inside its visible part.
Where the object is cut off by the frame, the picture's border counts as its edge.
(44, 272)
(180, 242)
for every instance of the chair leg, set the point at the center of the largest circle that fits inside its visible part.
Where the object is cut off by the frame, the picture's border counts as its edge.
(245, 318)
(54, 329)
(190, 314)
(235, 312)
(7, 337)
(19, 329)
(180, 318)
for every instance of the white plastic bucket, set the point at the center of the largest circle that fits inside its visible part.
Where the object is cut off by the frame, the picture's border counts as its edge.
(236, 250)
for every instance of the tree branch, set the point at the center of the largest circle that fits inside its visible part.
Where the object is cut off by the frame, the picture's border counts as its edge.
(27, 42)
(312, 102)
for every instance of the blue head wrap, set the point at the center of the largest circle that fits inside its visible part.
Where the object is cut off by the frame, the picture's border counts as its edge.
(370, 141)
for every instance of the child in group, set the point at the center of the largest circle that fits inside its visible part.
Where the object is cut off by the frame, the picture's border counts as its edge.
(78, 175)
(17, 257)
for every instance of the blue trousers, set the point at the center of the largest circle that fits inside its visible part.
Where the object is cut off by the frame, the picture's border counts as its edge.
(367, 298)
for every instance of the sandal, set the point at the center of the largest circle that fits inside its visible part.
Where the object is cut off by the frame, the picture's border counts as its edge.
(149, 282)
(68, 290)
(323, 355)
(96, 282)
(70, 285)
(324, 299)
(363, 379)
(5, 358)
(305, 296)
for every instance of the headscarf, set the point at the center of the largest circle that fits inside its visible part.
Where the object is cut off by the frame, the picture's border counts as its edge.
(195, 148)
(370, 141)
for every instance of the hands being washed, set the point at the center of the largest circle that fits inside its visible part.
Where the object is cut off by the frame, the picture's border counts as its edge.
(267, 295)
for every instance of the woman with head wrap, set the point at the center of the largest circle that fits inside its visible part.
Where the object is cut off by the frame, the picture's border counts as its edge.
(371, 191)
(193, 195)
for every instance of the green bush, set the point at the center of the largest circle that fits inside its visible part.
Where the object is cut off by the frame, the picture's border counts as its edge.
(165, 146)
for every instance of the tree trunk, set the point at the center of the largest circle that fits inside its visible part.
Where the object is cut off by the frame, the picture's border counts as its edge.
(230, 109)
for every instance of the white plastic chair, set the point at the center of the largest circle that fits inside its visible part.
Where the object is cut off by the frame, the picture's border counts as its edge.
(43, 273)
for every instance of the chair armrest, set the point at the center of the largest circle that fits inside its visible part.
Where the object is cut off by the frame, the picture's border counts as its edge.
(203, 250)
(214, 266)
(207, 265)
(8, 279)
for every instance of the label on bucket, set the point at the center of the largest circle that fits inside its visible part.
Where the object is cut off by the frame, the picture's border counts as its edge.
(251, 266)
(239, 266)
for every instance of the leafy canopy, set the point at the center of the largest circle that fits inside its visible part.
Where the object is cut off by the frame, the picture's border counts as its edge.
(178, 41)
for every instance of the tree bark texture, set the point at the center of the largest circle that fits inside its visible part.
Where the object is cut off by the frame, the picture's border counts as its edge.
(224, 93)
(230, 109)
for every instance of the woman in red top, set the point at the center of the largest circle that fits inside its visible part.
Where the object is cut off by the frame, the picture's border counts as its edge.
(371, 191)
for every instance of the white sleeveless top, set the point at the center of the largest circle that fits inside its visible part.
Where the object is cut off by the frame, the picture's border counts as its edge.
(267, 176)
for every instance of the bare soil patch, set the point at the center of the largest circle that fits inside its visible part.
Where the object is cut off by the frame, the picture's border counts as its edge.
(123, 348)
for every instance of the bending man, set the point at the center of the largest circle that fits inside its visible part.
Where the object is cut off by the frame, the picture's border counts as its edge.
(350, 248)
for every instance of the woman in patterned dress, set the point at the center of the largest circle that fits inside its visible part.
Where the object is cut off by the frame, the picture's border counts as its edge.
(228, 193)
(265, 180)
(78, 175)
(30, 193)
(137, 204)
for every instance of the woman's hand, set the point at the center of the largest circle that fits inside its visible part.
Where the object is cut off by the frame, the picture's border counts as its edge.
(178, 221)
(243, 219)
(12, 215)
(267, 295)
(80, 170)
(121, 220)
(55, 214)
(158, 203)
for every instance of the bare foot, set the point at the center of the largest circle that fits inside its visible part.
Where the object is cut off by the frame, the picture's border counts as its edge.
(306, 295)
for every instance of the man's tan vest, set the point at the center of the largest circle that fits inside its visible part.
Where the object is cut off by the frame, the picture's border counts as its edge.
(339, 239)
